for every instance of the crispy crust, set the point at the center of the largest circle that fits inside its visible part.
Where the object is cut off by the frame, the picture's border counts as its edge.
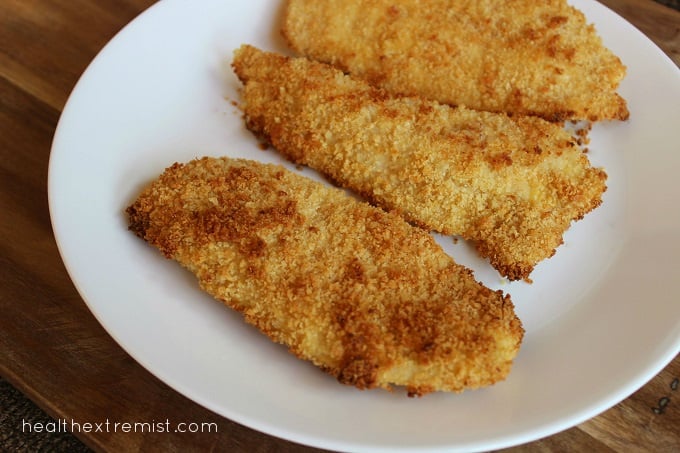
(511, 185)
(523, 57)
(363, 295)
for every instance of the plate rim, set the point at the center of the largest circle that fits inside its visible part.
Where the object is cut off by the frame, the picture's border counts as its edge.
(506, 441)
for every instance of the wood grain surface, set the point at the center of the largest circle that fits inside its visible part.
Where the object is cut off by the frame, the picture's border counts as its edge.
(54, 351)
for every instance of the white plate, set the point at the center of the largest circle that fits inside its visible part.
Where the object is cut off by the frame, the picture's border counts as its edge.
(602, 316)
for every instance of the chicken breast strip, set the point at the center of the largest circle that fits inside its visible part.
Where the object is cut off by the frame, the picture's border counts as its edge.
(511, 185)
(522, 56)
(359, 292)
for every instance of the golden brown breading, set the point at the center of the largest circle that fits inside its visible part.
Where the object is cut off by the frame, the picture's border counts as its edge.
(362, 294)
(522, 56)
(512, 185)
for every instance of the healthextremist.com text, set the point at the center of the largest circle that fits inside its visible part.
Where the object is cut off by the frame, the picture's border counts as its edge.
(107, 426)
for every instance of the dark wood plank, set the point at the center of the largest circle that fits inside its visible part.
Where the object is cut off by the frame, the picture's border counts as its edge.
(658, 22)
(648, 420)
(53, 42)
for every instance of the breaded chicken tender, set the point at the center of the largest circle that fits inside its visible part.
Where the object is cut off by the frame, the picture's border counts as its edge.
(522, 56)
(511, 185)
(359, 292)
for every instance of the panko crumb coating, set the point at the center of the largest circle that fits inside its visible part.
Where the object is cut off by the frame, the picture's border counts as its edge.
(512, 185)
(359, 292)
(522, 56)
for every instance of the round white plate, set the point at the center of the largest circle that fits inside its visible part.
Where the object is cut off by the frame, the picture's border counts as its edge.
(602, 316)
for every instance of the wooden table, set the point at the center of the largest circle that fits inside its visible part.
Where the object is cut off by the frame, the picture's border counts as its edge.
(52, 348)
